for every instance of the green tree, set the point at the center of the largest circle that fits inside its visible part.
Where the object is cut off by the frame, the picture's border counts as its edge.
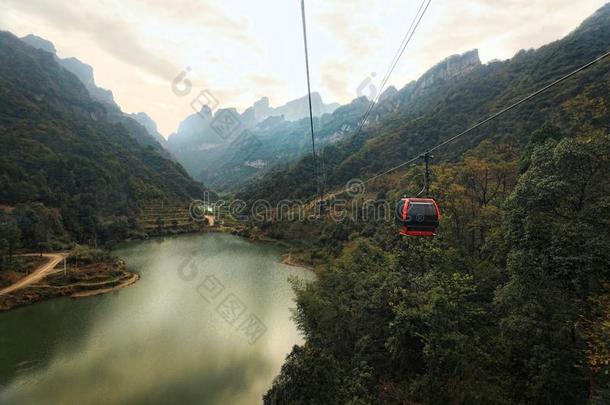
(558, 230)
(39, 225)
(10, 236)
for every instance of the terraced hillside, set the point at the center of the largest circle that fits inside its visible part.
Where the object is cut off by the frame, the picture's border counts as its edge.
(160, 217)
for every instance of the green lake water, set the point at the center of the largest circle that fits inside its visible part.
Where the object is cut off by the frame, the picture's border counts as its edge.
(208, 323)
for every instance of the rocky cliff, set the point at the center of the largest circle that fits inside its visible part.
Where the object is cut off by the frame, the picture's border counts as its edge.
(151, 126)
(141, 126)
(453, 67)
(83, 71)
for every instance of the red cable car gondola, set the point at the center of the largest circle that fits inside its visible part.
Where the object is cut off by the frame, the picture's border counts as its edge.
(419, 216)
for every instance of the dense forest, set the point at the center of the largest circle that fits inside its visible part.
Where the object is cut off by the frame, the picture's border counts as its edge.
(74, 171)
(510, 303)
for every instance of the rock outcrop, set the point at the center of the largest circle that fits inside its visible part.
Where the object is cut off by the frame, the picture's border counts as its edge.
(453, 67)
(83, 71)
(151, 126)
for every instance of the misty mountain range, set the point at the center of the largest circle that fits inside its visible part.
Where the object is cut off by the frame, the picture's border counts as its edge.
(456, 94)
(265, 136)
(204, 153)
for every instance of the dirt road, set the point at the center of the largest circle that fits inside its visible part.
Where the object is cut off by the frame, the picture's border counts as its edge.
(38, 274)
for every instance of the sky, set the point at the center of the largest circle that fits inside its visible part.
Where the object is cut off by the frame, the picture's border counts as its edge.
(238, 51)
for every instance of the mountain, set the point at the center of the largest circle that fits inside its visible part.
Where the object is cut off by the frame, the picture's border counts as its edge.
(510, 302)
(264, 136)
(280, 135)
(40, 43)
(84, 72)
(66, 152)
(454, 95)
(195, 127)
(293, 110)
(451, 68)
(151, 126)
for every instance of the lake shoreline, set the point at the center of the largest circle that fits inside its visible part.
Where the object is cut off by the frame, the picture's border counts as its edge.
(85, 281)
(110, 277)
(288, 258)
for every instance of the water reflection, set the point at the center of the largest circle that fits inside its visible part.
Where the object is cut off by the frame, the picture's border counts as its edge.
(160, 340)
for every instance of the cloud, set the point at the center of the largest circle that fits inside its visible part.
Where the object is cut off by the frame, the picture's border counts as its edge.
(265, 80)
(355, 33)
(498, 28)
(201, 13)
(115, 36)
(335, 79)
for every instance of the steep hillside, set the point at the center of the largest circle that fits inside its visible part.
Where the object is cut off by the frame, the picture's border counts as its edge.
(65, 150)
(151, 126)
(509, 303)
(456, 94)
(84, 72)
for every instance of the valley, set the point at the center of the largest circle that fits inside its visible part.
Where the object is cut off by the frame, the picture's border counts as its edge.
(256, 252)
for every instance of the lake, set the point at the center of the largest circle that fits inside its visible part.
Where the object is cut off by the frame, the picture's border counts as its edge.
(209, 322)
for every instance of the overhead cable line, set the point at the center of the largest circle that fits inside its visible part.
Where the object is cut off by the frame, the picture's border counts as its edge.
(313, 141)
(494, 116)
(401, 49)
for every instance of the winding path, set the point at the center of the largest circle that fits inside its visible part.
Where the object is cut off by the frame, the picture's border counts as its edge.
(38, 274)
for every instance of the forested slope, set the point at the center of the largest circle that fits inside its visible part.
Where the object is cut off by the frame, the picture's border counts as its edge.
(427, 114)
(85, 172)
(510, 303)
